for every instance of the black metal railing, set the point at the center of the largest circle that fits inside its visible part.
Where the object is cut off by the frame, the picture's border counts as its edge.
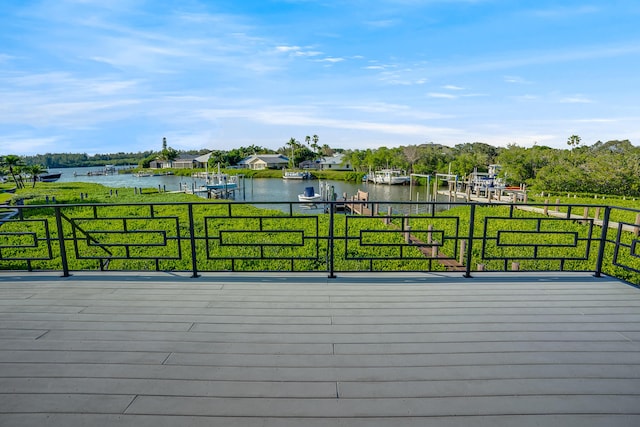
(289, 236)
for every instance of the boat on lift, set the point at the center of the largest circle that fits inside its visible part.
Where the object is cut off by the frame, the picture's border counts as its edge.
(391, 177)
(221, 181)
(310, 195)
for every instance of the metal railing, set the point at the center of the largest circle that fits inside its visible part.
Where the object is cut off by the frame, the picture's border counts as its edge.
(290, 236)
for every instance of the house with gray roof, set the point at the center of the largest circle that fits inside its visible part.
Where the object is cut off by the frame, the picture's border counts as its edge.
(336, 162)
(264, 161)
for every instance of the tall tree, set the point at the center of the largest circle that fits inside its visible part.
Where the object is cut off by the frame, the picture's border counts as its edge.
(13, 162)
(314, 144)
(573, 141)
(292, 144)
(35, 171)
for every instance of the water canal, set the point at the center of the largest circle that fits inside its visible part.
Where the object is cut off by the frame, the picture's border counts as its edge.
(254, 189)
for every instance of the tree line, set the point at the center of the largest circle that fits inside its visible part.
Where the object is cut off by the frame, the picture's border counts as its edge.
(611, 167)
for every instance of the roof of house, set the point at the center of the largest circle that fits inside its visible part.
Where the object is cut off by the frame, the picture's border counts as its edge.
(204, 158)
(186, 158)
(336, 159)
(267, 158)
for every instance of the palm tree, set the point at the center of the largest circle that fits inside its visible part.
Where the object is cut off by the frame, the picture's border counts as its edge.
(292, 144)
(13, 162)
(314, 145)
(326, 150)
(35, 171)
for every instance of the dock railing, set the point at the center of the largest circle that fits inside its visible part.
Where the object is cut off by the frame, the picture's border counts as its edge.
(295, 237)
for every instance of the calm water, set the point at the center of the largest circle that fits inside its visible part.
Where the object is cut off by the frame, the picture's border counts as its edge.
(255, 190)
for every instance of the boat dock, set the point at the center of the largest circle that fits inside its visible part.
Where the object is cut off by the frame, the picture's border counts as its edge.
(358, 204)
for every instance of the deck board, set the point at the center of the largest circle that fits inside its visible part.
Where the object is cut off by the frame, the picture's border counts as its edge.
(290, 350)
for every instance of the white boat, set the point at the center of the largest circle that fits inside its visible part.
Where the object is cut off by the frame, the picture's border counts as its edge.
(309, 195)
(141, 174)
(296, 175)
(220, 181)
(391, 177)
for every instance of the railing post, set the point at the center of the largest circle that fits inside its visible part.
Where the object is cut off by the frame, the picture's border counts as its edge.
(472, 219)
(192, 238)
(63, 249)
(331, 241)
(603, 241)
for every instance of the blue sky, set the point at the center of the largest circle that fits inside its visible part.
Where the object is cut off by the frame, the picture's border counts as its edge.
(101, 76)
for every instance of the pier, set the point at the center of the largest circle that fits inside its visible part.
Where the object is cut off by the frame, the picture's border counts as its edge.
(358, 204)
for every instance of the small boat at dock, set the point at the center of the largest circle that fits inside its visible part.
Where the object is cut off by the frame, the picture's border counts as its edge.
(296, 175)
(222, 181)
(390, 177)
(309, 196)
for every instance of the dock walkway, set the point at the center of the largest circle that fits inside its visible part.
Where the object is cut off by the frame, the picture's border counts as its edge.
(549, 211)
(407, 350)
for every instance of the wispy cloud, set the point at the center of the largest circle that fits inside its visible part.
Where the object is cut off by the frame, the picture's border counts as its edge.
(517, 80)
(330, 59)
(452, 87)
(24, 143)
(562, 12)
(442, 95)
(89, 70)
(526, 97)
(576, 99)
(383, 23)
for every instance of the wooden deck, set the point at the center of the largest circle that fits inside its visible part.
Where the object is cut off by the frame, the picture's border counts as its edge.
(302, 350)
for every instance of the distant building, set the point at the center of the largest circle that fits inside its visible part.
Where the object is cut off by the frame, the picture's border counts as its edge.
(335, 162)
(264, 161)
(309, 164)
(159, 164)
(184, 162)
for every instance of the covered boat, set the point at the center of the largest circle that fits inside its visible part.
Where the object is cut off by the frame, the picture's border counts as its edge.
(309, 195)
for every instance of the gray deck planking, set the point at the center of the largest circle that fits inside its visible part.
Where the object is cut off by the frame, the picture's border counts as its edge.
(267, 350)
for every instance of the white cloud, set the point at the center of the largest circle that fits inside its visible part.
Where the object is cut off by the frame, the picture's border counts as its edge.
(330, 59)
(25, 144)
(441, 95)
(516, 80)
(288, 48)
(452, 87)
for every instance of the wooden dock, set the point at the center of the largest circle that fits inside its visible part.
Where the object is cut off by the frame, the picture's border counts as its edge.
(548, 210)
(358, 204)
(401, 349)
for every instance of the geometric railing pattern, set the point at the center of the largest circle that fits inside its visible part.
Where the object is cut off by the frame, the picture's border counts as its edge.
(287, 236)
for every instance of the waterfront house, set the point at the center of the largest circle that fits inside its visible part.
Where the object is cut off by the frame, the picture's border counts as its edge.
(184, 162)
(264, 161)
(159, 164)
(336, 162)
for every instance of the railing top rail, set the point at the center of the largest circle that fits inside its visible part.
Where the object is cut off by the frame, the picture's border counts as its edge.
(283, 202)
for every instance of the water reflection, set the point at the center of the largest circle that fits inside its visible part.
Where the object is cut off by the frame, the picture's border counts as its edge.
(255, 190)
